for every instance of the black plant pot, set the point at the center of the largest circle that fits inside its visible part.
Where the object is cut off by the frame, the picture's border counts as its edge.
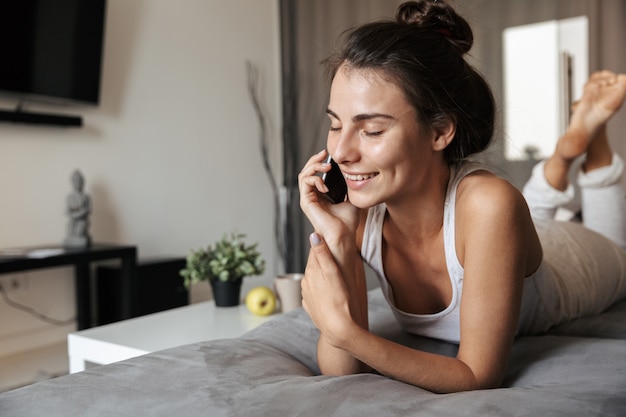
(226, 293)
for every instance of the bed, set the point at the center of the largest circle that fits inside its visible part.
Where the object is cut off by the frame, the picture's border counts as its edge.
(576, 369)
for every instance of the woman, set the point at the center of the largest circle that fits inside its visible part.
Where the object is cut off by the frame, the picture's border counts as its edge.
(454, 246)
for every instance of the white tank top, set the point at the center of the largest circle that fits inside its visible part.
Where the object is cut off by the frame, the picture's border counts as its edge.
(444, 325)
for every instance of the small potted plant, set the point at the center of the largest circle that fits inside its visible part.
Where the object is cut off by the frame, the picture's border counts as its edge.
(224, 265)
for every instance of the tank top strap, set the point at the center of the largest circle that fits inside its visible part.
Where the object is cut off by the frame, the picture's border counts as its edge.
(457, 173)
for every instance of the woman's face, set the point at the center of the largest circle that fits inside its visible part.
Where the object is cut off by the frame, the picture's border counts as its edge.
(374, 136)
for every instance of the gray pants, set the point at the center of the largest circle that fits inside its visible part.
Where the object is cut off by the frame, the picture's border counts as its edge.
(602, 197)
(584, 264)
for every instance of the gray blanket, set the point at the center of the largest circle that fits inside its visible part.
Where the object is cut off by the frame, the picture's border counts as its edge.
(577, 369)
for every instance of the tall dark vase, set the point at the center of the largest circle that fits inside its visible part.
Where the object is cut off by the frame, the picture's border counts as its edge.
(226, 293)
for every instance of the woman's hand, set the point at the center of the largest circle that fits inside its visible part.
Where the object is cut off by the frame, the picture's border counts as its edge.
(333, 221)
(325, 296)
(333, 288)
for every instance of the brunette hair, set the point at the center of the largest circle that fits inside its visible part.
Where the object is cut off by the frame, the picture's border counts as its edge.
(422, 52)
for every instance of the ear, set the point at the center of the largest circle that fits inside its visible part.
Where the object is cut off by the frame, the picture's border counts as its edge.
(443, 134)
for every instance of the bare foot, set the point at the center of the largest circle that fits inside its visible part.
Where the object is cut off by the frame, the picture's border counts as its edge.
(602, 97)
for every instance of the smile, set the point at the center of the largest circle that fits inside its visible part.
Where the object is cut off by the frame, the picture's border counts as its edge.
(360, 177)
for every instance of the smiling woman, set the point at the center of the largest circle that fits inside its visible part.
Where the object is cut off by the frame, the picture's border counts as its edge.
(373, 122)
(454, 246)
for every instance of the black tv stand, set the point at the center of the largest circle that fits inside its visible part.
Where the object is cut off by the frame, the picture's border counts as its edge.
(19, 116)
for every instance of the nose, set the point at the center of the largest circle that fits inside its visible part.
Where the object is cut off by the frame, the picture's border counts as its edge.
(343, 146)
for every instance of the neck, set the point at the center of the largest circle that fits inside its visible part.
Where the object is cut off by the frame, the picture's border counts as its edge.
(419, 216)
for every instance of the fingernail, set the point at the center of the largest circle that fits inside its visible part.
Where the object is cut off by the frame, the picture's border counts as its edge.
(321, 152)
(315, 239)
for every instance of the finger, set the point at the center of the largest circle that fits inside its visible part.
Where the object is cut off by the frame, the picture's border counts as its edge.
(318, 246)
(320, 156)
(313, 170)
(311, 265)
(322, 254)
(309, 174)
(313, 182)
(314, 162)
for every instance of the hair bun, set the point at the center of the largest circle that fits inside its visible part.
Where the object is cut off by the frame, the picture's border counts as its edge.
(440, 17)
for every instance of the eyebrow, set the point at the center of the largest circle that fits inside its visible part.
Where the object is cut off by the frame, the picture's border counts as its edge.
(361, 117)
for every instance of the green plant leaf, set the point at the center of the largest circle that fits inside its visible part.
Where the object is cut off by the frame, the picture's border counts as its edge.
(229, 259)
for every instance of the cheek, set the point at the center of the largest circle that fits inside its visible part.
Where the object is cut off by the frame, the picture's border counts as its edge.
(402, 164)
(331, 142)
(391, 155)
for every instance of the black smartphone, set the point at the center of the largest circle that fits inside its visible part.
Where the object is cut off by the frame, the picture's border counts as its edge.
(336, 183)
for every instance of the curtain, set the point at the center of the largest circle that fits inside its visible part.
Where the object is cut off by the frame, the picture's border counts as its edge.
(310, 29)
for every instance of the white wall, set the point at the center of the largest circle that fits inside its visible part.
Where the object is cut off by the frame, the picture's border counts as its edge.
(170, 157)
(540, 84)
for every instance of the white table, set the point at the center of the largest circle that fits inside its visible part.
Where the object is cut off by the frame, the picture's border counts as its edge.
(138, 336)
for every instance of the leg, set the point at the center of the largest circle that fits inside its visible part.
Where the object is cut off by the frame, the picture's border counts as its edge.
(604, 201)
(603, 96)
(543, 199)
(548, 187)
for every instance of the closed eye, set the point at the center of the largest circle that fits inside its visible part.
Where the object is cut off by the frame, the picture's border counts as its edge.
(378, 133)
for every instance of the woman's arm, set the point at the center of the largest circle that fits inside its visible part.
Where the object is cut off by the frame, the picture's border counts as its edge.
(340, 335)
(494, 238)
(338, 224)
(332, 360)
(498, 247)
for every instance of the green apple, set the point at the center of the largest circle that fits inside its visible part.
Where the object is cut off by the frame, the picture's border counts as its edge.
(261, 301)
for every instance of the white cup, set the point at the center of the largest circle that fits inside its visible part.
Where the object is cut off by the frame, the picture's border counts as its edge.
(289, 291)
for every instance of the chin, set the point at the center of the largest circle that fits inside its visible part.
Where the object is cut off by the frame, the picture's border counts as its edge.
(362, 202)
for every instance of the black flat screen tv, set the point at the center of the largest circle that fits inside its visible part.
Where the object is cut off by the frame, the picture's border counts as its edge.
(52, 49)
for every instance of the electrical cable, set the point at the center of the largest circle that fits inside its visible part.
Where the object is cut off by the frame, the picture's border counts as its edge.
(32, 311)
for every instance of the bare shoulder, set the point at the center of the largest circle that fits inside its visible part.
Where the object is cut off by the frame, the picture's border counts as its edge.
(492, 218)
(492, 214)
(484, 194)
(490, 208)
